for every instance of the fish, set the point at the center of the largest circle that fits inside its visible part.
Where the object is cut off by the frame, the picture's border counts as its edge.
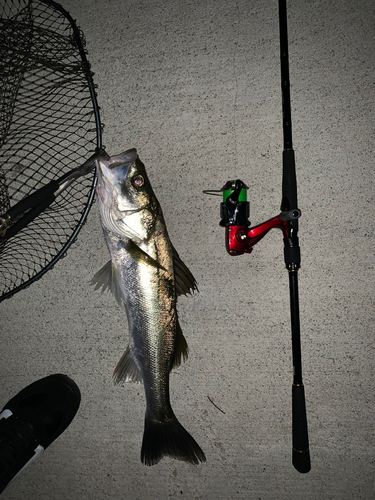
(146, 275)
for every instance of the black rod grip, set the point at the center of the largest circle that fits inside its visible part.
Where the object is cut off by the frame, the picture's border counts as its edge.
(301, 453)
(29, 216)
(34, 199)
(289, 183)
(295, 326)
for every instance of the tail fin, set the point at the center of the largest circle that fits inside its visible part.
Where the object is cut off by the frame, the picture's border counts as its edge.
(169, 438)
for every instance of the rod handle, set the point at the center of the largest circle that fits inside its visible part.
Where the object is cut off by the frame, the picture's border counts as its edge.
(301, 453)
(289, 182)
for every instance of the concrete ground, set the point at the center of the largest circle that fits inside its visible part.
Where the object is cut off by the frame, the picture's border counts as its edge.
(195, 87)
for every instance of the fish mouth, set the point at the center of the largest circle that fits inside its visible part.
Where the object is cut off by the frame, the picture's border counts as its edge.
(114, 168)
(111, 162)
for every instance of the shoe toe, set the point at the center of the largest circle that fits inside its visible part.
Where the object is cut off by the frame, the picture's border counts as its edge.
(50, 404)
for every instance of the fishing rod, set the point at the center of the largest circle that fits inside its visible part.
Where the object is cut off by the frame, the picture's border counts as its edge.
(240, 239)
(292, 257)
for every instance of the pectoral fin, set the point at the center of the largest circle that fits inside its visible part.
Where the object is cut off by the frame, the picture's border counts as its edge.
(140, 255)
(184, 280)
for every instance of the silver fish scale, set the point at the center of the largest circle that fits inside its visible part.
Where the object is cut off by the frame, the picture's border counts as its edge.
(151, 309)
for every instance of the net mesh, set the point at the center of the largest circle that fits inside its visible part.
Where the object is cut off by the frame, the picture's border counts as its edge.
(48, 126)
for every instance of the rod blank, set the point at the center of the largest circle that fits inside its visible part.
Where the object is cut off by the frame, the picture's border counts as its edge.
(300, 439)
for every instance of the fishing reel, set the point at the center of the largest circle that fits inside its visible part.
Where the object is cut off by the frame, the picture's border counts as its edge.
(240, 237)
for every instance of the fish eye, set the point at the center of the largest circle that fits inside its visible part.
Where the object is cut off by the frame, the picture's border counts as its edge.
(138, 181)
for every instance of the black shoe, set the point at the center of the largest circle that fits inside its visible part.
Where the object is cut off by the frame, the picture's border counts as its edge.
(31, 420)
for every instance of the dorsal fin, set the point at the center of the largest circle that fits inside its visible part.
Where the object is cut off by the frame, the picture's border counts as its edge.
(184, 280)
(181, 349)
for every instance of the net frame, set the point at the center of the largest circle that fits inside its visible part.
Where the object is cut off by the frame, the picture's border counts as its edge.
(49, 124)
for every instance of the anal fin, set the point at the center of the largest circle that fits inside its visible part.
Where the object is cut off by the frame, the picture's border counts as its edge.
(126, 369)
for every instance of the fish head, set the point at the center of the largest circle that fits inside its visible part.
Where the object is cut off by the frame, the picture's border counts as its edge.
(127, 202)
